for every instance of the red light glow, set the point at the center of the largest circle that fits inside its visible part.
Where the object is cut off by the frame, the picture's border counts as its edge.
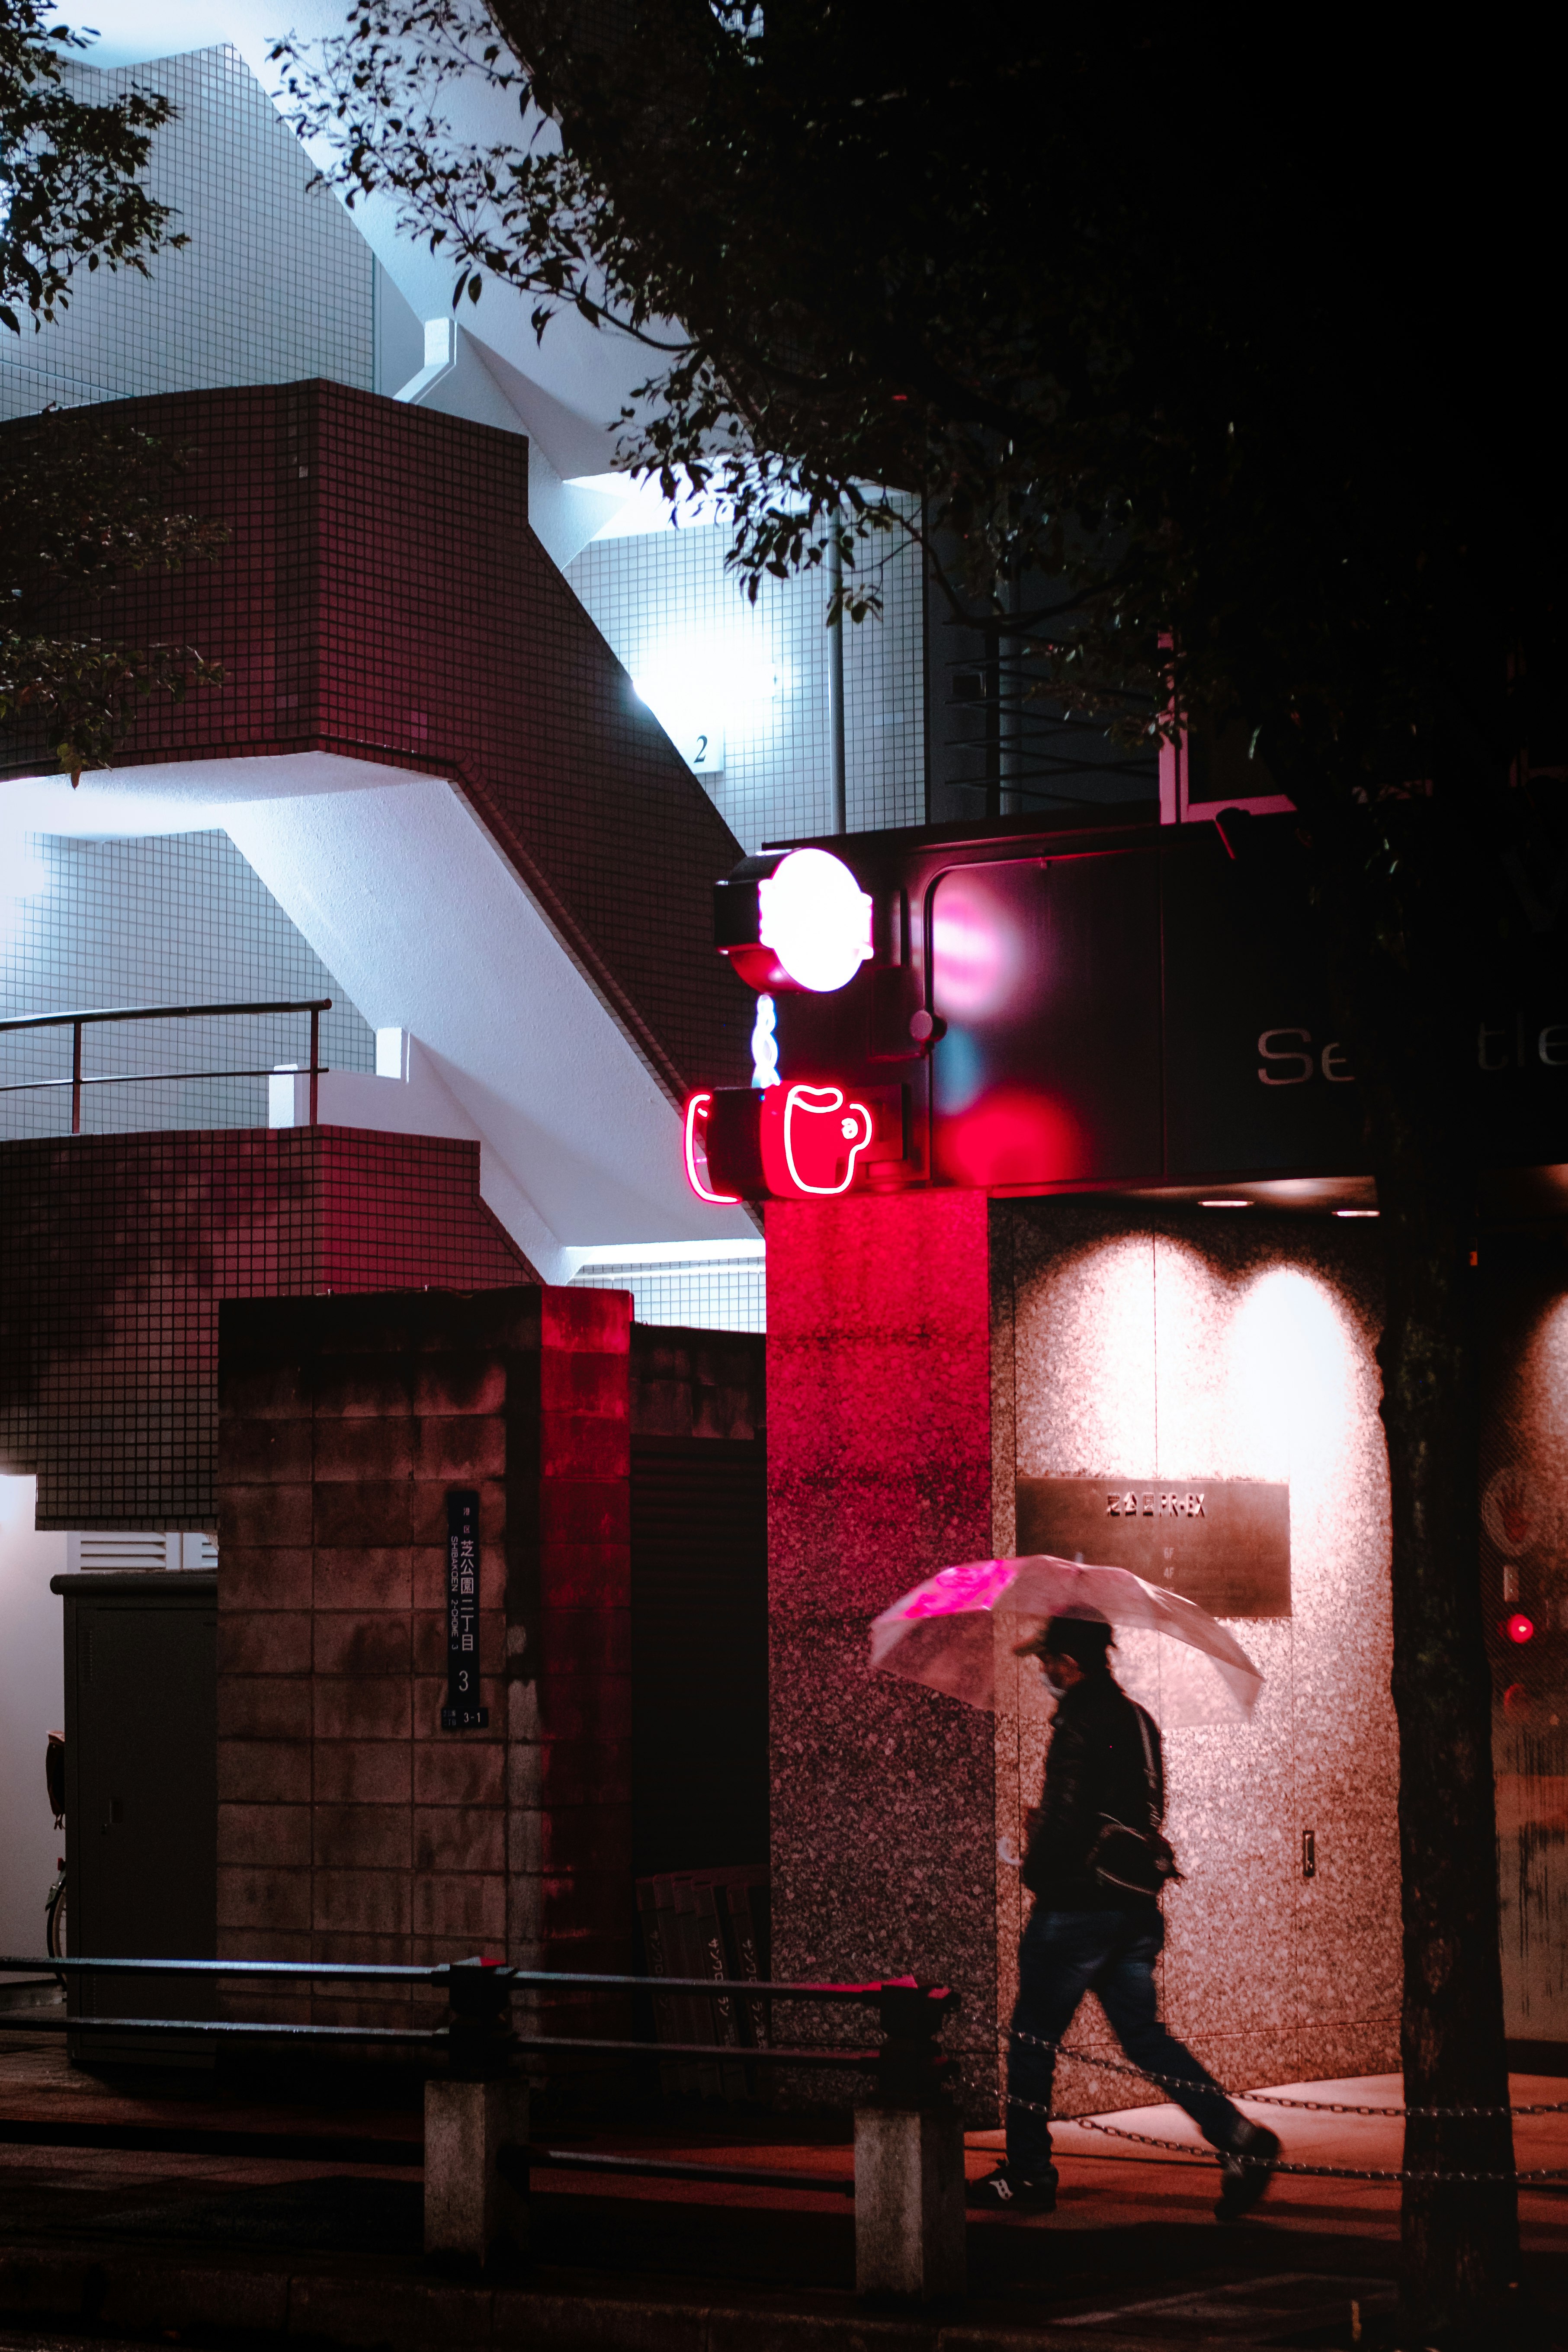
(1012, 1136)
(697, 1110)
(1518, 1628)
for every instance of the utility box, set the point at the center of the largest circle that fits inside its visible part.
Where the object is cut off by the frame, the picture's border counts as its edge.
(141, 1690)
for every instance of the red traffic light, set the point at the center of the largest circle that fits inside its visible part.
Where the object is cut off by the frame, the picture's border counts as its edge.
(1518, 1628)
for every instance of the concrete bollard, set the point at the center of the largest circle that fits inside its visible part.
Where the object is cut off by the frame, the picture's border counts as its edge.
(909, 2202)
(470, 2207)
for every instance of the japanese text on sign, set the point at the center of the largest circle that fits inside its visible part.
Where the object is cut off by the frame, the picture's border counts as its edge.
(462, 1711)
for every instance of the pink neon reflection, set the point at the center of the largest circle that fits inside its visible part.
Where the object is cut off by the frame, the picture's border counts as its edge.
(697, 1110)
(978, 1585)
(977, 953)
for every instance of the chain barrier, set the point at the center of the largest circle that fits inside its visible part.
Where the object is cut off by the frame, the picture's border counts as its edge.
(1258, 2098)
(1272, 2099)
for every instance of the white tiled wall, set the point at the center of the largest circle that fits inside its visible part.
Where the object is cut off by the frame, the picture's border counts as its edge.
(725, 1295)
(177, 918)
(671, 613)
(275, 284)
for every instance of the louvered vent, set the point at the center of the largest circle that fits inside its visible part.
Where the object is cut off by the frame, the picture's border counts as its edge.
(139, 1548)
(115, 1548)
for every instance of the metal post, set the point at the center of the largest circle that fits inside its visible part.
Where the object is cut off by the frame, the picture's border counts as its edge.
(75, 1077)
(909, 2157)
(315, 1058)
(835, 681)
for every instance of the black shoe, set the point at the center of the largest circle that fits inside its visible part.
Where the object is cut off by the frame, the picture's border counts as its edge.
(1247, 2168)
(1008, 2192)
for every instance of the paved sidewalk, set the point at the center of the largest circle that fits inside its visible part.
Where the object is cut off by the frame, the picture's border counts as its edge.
(157, 2242)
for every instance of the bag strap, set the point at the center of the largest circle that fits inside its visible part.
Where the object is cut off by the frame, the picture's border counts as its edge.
(1148, 1766)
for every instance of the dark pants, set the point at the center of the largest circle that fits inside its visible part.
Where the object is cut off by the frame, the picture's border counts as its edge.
(1062, 1955)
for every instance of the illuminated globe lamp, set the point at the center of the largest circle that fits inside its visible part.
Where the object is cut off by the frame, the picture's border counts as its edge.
(799, 921)
(1517, 1628)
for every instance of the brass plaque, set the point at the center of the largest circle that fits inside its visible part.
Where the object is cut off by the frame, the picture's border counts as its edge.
(1225, 1542)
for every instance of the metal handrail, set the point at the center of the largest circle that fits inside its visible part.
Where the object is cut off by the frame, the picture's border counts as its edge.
(516, 1979)
(77, 1022)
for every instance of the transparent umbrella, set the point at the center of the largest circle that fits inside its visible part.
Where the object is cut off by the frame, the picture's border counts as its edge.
(1171, 1656)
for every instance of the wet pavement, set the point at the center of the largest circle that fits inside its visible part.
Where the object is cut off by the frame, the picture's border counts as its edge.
(1133, 2255)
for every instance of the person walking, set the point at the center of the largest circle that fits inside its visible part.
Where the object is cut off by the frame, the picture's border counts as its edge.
(1096, 1864)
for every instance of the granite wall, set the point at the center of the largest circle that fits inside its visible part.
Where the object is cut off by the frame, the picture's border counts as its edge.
(879, 1473)
(1524, 1574)
(1195, 1344)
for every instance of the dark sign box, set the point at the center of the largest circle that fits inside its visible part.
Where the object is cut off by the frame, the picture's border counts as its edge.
(1223, 1542)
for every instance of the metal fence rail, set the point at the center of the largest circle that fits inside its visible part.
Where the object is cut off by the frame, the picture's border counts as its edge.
(478, 2155)
(77, 1022)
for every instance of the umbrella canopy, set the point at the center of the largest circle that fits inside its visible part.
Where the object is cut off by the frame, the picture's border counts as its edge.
(1171, 1656)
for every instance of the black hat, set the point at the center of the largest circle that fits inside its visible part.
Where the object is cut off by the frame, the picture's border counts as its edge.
(1085, 1640)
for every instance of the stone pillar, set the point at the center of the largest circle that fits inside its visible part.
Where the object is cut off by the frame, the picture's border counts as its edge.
(879, 1473)
(908, 2203)
(470, 2207)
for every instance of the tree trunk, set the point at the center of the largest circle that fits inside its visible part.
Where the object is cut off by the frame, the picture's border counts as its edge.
(1460, 2237)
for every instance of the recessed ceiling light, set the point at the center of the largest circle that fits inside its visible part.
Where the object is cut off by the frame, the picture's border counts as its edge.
(1355, 1213)
(1225, 1205)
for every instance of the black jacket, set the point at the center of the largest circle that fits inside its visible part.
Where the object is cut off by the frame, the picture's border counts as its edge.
(1095, 1768)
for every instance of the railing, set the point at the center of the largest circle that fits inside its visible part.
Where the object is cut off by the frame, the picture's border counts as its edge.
(909, 2196)
(77, 1022)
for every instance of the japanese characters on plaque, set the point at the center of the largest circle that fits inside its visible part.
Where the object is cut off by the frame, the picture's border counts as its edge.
(1225, 1542)
(462, 1711)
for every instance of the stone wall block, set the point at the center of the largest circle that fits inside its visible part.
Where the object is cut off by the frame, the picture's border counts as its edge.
(462, 1904)
(264, 1515)
(363, 1772)
(460, 1837)
(361, 1577)
(583, 1446)
(266, 1577)
(263, 1898)
(349, 1512)
(267, 1453)
(360, 1837)
(365, 1387)
(263, 1707)
(270, 1836)
(584, 1640)
(264, 1772)
(589, 1576)
(359, 1449)
(587, 1706)
(458, 1384)
(376, 1901)
(578, 1382)
(263, 1641)
(374, 1708)
(369, 1643)
(586, 1510)
(461, 1449)
(589, 1321)
(461, 1771)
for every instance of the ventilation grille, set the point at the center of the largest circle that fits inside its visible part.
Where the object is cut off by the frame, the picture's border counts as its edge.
(139, 1548)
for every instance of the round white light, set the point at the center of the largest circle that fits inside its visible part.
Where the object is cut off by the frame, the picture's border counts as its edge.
(817, 919)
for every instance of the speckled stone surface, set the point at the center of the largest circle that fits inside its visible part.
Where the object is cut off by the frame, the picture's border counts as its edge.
(1186, 1344)
(1524, 1569)
(879, 1468)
